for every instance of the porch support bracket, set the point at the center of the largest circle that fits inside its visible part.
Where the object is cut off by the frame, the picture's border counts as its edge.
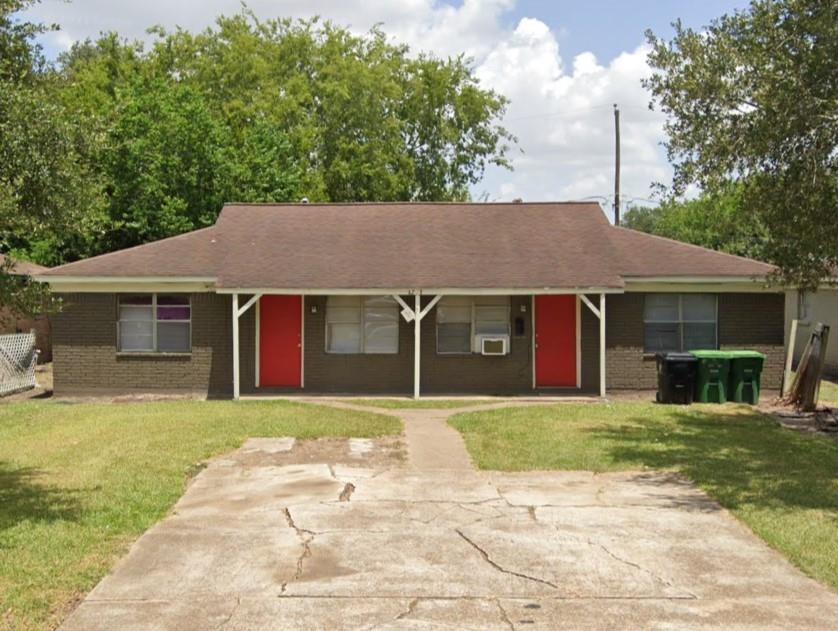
(237, 313)
(589, 304)
(248, 304)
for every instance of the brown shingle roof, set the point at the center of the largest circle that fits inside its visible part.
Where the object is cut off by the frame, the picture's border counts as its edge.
(193, 254)
(641, 254)
(22, 268)
(415, 245)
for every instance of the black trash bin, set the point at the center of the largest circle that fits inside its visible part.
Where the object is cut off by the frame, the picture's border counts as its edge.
(676, 377)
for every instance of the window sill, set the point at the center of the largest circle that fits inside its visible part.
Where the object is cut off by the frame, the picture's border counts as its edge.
(152, 354)
(475, 355)
(337, 354)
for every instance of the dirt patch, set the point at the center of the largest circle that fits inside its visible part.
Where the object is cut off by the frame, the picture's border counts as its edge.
(385, 452)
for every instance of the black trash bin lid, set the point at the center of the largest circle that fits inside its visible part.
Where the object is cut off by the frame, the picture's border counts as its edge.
(673, 356)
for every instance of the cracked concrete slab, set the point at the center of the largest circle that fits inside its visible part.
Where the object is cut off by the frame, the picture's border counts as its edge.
(269, 445)
(360, 446)
(254, 544)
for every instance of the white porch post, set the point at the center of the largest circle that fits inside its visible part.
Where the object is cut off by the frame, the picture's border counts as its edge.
(417, 344)
(602, 345)
(236, 346)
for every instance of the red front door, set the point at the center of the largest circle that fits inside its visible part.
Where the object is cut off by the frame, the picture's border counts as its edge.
(280, 341)
(555, 341)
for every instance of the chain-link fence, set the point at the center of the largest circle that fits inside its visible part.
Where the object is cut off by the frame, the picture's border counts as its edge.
(17, 362)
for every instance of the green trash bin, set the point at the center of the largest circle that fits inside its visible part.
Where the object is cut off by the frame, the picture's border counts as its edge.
(711, 382)
(745, 373)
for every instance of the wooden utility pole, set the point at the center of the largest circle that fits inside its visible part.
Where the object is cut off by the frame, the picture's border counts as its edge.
(616, 165)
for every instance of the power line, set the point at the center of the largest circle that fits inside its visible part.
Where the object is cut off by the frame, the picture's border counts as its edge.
(570, 113)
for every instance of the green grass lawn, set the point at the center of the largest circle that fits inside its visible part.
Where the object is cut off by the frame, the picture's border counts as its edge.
(421, 404)
(782, 484)
(80, 482)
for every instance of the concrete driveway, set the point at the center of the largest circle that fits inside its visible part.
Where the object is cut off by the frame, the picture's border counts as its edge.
(260, 543)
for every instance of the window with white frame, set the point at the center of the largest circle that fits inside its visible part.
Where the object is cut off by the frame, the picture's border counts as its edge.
(460, 320)
(362, 324)
(680, 322)
(155, 323)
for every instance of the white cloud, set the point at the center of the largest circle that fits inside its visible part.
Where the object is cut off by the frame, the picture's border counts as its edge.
(561, 113)
(565, 122)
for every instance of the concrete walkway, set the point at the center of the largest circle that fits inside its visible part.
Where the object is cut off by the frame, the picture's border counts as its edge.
(258, 543)
(432, 443)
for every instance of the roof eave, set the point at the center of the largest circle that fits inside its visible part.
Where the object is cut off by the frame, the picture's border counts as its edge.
(434, 291)
(117, 284)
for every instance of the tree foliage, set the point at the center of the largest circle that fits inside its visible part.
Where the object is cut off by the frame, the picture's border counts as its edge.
(714, 220)
(274, 110)
(47, 193)
(754, 99)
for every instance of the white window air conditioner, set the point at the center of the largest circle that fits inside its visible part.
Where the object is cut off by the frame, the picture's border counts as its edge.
(493, 344)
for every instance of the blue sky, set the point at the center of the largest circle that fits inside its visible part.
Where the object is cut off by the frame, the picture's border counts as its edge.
(562, 64)
(609, 27)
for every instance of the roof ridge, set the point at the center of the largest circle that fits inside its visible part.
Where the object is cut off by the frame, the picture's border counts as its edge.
(691, 245)
(59, 268)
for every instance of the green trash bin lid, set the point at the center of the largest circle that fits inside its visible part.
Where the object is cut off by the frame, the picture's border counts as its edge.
(745, 355)
(711, 354)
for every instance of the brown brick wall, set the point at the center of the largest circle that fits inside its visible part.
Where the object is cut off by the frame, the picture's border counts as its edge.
(508, 374)
(746, 321)
(85, 357)
(755, 322)
(626, 365)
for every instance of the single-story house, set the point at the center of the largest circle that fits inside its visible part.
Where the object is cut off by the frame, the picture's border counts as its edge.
(495, 298)
(12, 322)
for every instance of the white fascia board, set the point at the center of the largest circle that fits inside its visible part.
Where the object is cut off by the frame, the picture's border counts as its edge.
(740, 284)
(50, 278)
(315, 292)
(527, 291)
(448, 291)
(695, 279)
(80, 284)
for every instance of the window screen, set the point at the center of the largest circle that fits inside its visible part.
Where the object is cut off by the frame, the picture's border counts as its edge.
(491, 317)
(453, 325)
(381, 325)
(355, 324)
(680, 322)
(153, 322)
(343, 324)
(136, 323)
(174, 316)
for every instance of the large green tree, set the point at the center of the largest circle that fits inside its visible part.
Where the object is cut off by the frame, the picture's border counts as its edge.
(274, 110)
(49, 197)
(713, 220)
(171, 164)
(753, 99)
